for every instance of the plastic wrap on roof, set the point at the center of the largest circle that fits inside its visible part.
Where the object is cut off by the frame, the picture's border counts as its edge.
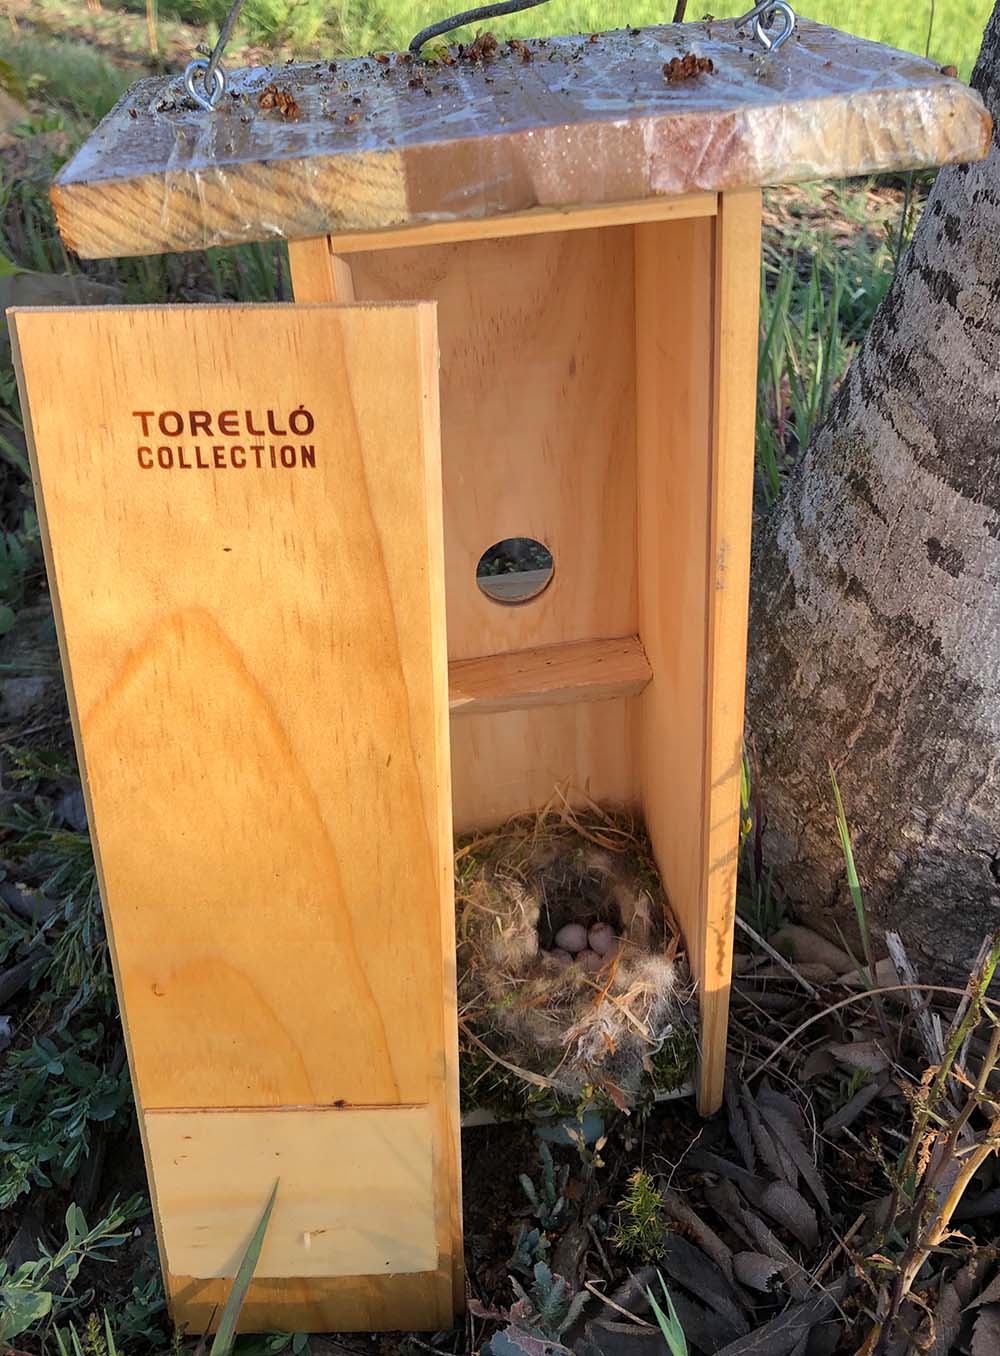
(371, 143)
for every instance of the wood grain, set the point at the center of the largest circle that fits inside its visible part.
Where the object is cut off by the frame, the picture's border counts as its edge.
(539, 221)
(674, 356)
(355, 1190)
(588, 671)
(537, 432)
(584, 124)
(322, 1303)
(257, 674)
(734, 377)
(537, 342)
(506, 762)
(696, 285)
(318, 273)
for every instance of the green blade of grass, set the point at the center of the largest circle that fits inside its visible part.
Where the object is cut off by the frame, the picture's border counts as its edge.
(222, 1344)
(854, 887)
(670, 1324)
(853, 884)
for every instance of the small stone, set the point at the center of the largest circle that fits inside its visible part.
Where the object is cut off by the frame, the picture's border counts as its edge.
(571, 937)
(802, 944)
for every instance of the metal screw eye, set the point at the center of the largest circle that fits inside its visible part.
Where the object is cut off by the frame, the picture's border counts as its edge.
(206, 96)
(763, 17)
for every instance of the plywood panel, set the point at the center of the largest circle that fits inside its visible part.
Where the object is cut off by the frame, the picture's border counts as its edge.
(696, 286)
(537, 424)
(215, 620)
(355, 1190)
(517, 760)
(257, 670)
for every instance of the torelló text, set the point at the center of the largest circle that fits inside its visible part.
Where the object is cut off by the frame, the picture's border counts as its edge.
(248, 425)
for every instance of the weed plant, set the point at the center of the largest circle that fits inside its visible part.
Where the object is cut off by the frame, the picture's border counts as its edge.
(639, 1233)
(547, 1200)
(34, 1290)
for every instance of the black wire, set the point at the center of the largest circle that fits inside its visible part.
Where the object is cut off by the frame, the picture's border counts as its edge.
(470, 16)
(225, 33)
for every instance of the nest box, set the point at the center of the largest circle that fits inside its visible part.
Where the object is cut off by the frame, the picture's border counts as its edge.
(466, 523)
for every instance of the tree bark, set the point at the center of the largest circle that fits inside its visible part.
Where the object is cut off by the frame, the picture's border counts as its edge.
(875, 611)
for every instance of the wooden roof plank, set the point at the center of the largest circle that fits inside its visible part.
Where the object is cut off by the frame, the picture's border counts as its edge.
(586, 121)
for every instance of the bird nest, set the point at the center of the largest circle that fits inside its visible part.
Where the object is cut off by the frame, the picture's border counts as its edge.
(559, 1032)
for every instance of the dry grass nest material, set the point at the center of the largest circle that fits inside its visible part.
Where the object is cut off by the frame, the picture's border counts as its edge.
(579, 1034)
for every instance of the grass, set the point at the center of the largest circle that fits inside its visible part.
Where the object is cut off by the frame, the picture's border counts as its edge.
(67, 76)
(949, 31)
(955, 32)
(829, 255)
(30, 1293)
(668, 1323)
(954, 27)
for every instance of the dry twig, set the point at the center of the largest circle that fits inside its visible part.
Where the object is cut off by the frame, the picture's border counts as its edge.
(776, 956)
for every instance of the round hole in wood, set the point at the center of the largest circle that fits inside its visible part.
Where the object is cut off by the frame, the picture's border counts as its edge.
(515, 569)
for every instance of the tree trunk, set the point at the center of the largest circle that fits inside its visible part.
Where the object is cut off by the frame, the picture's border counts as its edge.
(875, 615)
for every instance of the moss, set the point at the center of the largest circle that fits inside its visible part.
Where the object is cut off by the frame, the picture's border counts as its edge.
(674, 1062)
(485, 1084)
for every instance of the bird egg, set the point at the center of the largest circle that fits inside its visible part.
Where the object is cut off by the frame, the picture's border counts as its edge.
(601, 938)
(571, 937)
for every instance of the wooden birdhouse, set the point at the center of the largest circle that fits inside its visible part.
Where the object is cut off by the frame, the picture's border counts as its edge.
(466, 522)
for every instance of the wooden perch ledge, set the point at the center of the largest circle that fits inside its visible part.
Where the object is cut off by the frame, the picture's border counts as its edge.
(583, 671)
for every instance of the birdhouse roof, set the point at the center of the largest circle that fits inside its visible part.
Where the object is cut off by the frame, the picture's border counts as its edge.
(388, 140)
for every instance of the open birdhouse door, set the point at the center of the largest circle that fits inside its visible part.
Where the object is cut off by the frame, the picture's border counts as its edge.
(243, 528)
(320, 599)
